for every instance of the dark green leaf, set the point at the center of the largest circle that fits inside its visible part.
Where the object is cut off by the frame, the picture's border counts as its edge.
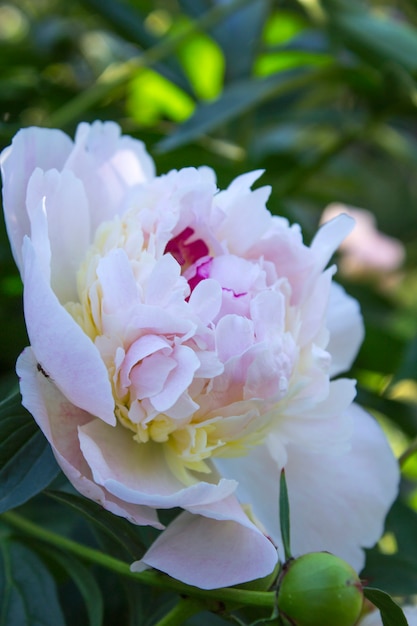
(236, 100)
(284, 515)
(27, 464)
(375, 39)
(408, 366)
(391, 613)
(129, 22)
(394, 573)
(245, 24)
(27, 590)
(120, 530)
(84, 580)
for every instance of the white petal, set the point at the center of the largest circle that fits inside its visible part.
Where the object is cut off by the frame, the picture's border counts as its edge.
(65, 209)
(338, 503)
(61, 347)
(108, 165)
(31, 148)
(345, 323)
(329, 238)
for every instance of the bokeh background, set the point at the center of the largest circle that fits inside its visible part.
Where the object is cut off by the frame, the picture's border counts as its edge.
(322, 95)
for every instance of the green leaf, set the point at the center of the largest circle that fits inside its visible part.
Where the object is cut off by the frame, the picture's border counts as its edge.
(27, 464)
(244, 25)
(391, 613)
(375, 39)
(27, 589)
(120, 530)
(235, 100)
(151, 96)
(284, 515)
(84, 580)
(407, 368)
(394, 572)
(403, 414)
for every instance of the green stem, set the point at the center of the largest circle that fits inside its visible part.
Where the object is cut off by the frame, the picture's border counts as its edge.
(185, 608)
(237, 597)
(117, 75)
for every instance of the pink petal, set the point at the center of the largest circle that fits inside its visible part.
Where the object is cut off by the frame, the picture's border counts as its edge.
(61, 347)
(59, 420)
(234, 335)
(221, 549)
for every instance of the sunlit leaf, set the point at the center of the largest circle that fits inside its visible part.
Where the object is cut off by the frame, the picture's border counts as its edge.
(152, 97)
(203, 62)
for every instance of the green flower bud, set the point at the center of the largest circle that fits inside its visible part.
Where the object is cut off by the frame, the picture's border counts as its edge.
(320, 589)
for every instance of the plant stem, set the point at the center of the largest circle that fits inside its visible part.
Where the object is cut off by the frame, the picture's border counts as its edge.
(119, 74)
(236, 597)
(185, 608)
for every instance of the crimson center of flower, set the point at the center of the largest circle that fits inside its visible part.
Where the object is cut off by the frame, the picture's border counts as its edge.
(188, 252)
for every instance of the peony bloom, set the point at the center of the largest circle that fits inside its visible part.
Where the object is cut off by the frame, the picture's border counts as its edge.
(183, 342)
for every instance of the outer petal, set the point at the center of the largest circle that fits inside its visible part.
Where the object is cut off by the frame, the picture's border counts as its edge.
(345, 324)
(64, 205)
(347, 497)
(222, 548)
(141, 475)
(338, 502)
(31, 148)
(329, 238)
(59, 419)
(61, 347)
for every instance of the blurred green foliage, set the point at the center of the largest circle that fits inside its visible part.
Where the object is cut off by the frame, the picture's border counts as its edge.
(322, 94)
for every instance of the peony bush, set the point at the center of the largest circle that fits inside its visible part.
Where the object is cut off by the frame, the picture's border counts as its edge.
(185, 346)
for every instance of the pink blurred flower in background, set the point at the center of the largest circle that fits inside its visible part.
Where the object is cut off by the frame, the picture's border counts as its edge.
(366, 250)
(183, 343)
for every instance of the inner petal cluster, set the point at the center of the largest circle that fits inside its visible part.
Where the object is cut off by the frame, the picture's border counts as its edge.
(201, 344)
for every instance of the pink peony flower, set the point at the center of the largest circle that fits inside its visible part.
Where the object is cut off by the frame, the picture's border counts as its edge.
(189, 339)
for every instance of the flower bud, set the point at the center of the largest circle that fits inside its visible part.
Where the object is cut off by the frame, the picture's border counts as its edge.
(320, 589)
